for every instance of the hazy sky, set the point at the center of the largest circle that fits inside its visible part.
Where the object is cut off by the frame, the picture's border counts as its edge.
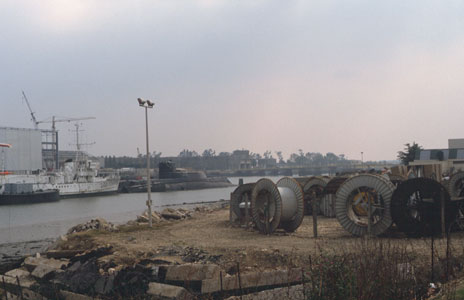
(339, 76)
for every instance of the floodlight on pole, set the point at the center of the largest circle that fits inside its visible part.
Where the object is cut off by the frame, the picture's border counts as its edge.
(147, 104)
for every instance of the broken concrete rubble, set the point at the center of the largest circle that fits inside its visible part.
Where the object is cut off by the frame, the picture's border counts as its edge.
(165, 291)
(252, 280)
(32, 262)
(293, 292)
(96, 224)
(192, 272)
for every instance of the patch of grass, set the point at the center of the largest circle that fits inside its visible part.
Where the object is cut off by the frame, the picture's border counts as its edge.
(460, 293)
(144, 227)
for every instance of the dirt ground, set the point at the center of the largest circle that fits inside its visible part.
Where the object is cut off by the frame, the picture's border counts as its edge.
(209, 236)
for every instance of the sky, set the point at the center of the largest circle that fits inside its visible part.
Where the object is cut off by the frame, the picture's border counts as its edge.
(322, 76)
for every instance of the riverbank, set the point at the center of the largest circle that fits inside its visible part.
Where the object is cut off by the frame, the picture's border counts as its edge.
(198, 253)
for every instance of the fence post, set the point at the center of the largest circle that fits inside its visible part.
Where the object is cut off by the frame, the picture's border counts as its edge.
(19, 286)
(315, 205)
(222, 289)
(442, 206)
(432, 279)
(247, 215)
(239, 281)
(303, 282)
(4, 287)
(369, 217)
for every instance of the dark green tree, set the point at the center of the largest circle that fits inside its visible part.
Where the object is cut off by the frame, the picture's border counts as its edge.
(409, 153)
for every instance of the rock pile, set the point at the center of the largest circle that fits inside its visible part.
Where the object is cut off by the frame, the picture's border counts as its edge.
(96, 224)
(166, 214)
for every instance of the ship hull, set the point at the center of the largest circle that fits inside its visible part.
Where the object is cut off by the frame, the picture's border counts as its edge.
(29, 198)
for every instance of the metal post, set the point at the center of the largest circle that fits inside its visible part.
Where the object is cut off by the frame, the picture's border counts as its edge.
(148, 172)
(247, 217)
(442, 214)
(314, 203)
(369, 216)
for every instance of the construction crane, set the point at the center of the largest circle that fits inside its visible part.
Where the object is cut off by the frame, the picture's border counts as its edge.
(34, 120)
(54, 134)
(54, 120)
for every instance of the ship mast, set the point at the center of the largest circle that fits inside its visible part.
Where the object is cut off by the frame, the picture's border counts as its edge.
(78, 143)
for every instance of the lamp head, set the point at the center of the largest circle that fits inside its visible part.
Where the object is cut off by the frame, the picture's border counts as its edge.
(150, 104)
(141, 102)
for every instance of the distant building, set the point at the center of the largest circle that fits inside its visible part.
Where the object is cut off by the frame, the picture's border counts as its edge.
(450, 160)
(266, 163)
(456, 143)
(26, 151)
(241, 159)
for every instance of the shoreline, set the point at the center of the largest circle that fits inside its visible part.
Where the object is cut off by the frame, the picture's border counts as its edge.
(13, 251)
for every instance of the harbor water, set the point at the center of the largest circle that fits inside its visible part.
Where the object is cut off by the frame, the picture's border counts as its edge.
(31, 222)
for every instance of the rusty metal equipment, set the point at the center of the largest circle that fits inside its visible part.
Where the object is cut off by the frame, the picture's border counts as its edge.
(417, 210)
(278, 205)
(362, 198)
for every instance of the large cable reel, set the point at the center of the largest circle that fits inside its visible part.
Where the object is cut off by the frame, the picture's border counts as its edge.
(241, 194)
(277, 205)
(416, 206)
(456, 185)
(292, 203)
(313, 190)
(456, 190)
(352, 204)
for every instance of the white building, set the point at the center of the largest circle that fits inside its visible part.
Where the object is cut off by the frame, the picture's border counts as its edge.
(26, 151)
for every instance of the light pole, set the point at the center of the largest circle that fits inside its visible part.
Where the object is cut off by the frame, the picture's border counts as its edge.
(147, 104)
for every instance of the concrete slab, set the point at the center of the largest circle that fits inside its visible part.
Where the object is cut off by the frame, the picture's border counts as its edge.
(168, 292)
(192, 272)
(251, 280)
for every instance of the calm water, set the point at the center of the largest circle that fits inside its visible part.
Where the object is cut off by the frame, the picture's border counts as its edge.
(48, 220)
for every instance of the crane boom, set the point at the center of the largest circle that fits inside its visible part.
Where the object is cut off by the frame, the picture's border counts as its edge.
(34, 120)
(54, 120)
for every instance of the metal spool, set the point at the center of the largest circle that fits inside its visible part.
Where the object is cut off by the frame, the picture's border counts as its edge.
(238, 197)
(312, 190)
(397, 179)
(333, 184)
(416, 206)
(292, 203)
(456, 185)
(352, 202)
(277, 205)
(266, 206)
(302, 180)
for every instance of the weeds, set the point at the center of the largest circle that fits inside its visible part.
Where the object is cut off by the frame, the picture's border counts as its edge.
(378, 270)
